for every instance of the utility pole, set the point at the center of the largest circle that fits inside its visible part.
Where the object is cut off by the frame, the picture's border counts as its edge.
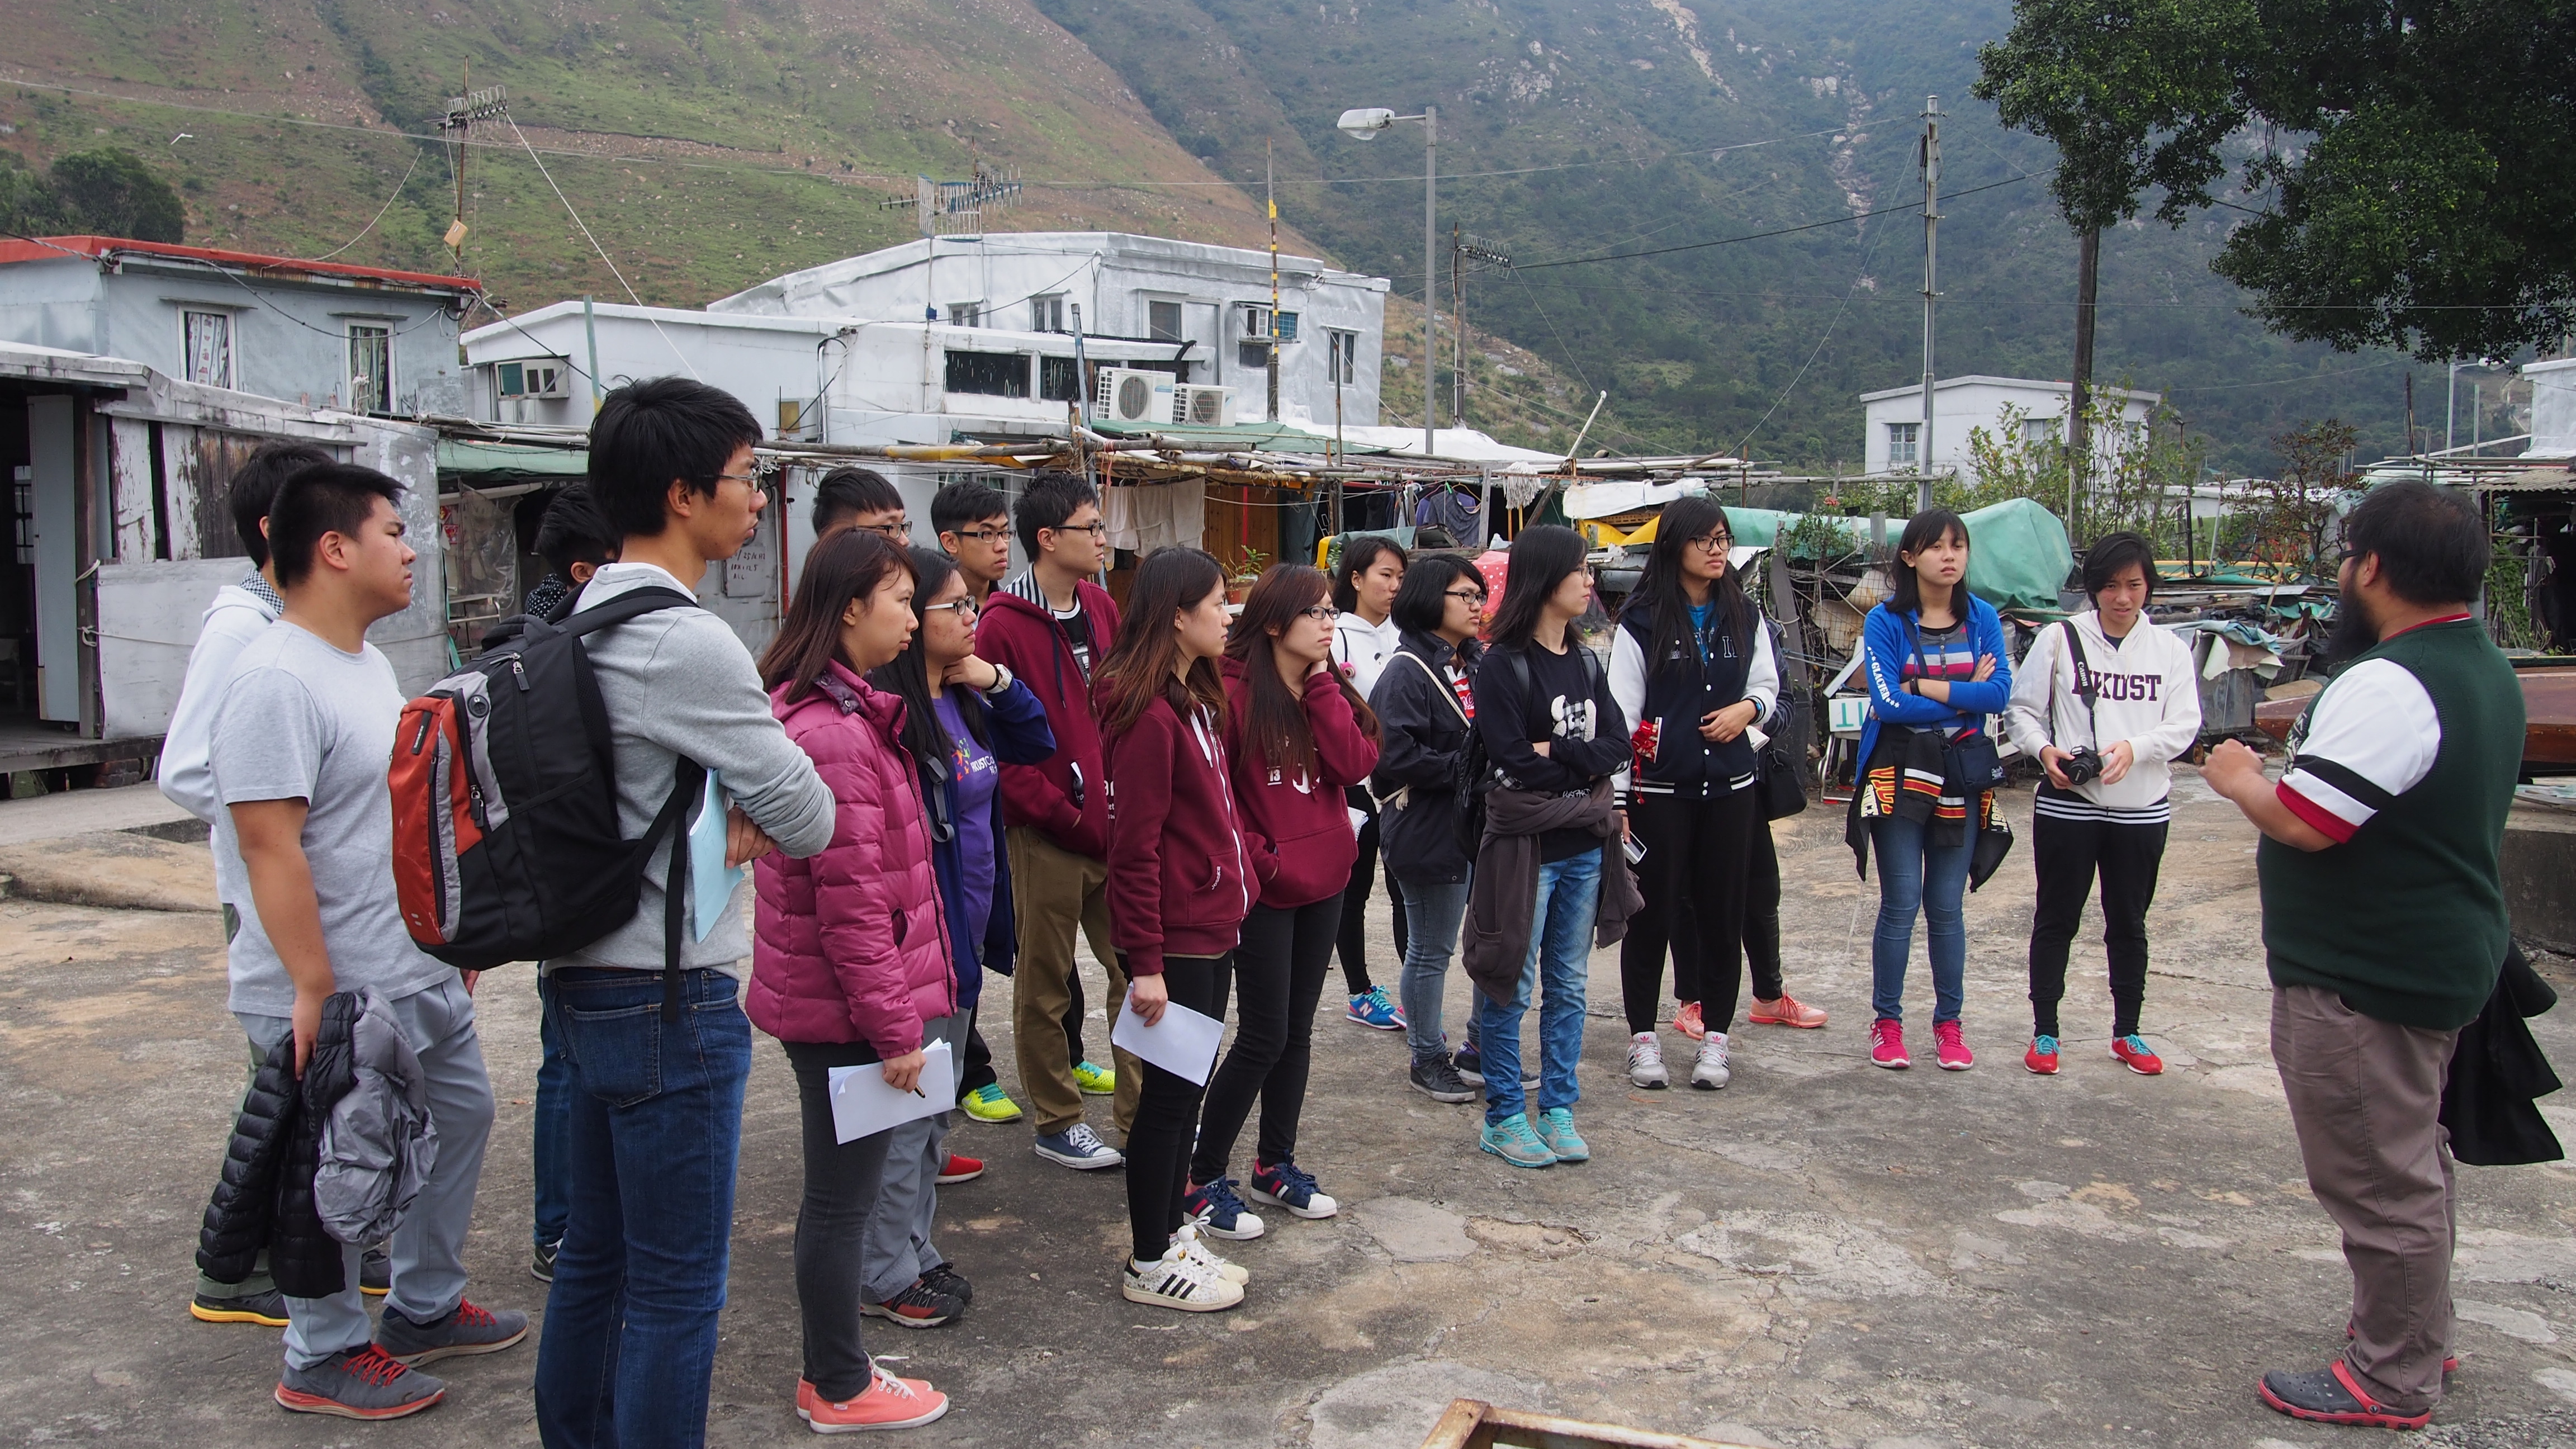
(1457, 336)
(2079, 410)
(1270, 197)
(1430, 277)
(1931, 286)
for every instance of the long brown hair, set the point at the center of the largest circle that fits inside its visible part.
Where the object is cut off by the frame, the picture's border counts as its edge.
(1137, 670)
(1274, 715)
(848, 563)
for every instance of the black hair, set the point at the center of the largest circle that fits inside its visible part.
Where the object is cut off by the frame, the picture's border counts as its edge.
(1541, 557)
(255, 486)
(907, 675)
(1051, 498)
(1921, 532)
(575, 531)
(1359, 555)
(2431, 544)
(1424, 597)
(2114, 554)
(965, 501)
(649, 433)
(333, 498)
(1661, 594)
(848, 492)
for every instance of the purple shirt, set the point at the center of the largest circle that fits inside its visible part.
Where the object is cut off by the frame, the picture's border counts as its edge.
(979, 779)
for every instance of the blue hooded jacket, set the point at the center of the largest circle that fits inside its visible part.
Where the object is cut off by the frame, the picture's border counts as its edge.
(1017, 723)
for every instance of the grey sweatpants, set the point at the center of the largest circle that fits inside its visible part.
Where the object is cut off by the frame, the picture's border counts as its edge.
(897, 1247)
(2366, 1100)
(428, 1247)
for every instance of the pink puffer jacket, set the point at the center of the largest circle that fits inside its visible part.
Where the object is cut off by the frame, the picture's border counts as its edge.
(852, 945)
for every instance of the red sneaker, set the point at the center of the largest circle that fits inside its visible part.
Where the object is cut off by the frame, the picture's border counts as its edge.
(1787, 1011)
(2041, 1059)
(960, 1168)
(1687, 1021)
(1887, 1044)
(2132, 1049)
(1951, 1047)
(886, 1403)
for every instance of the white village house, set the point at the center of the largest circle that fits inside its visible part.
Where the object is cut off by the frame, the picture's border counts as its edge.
(1893, 419)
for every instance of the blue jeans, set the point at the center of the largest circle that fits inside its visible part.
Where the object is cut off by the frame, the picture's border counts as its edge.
(1560, 960)
(1914, 873)
(652, 1138)
(553, 1114)
(1432, 911)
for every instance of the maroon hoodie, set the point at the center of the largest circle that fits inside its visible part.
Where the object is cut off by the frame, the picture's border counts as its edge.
(1180, 879)
(1020, 632)
(1298, 829)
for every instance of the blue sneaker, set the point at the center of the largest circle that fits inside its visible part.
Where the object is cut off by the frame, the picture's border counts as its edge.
(1219, 1213)
(1512, 1140)
(1285, 1184)
(1079, 1148)
(1556, 1129)
(1372, 1009)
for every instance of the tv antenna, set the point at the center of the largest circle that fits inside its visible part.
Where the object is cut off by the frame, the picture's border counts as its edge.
(956, 208)
(462, 112)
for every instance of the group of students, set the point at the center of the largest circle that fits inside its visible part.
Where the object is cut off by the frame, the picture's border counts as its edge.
(934, 770)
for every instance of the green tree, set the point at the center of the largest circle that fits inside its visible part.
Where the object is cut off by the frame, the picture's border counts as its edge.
(2412, 164)
(110, 192)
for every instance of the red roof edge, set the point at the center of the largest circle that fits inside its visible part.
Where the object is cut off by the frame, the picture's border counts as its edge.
(47, 248)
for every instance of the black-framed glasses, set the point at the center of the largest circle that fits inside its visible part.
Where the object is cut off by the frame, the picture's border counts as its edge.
(1096, 530)
(896, 530)
(1713, 542)
(980, 535)
(1321, 613)
(1470, 597)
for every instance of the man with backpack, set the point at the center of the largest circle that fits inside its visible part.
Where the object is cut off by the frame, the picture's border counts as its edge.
(649, 1015)
(297, 755)
(1048, 627)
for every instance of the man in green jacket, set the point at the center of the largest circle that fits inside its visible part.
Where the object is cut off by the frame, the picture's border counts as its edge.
(2384, 927)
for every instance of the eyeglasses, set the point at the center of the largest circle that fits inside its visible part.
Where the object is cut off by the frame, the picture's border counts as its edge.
(980, 535)
(1468, 597)
(1321, 613)
(896, 530)
(751, 478)
(963, 608)
(1096, 530)
(1713, 542)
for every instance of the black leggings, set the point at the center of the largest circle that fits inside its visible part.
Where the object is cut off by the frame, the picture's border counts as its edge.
(1354, 929)
(842, 1180)
(1761, 919)
(1693, 882)
(1278, 979)
(978, 1071)
(1167, 1111)
(2066, 854)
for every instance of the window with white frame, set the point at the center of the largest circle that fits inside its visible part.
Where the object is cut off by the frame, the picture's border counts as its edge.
(1163, 321)
(2036, 431)
(966, 314)
(208, 340)
(1901, 443)
(1046, 314)
(1341, 355)
(371, 368)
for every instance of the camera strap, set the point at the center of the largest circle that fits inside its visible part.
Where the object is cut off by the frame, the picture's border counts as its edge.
(2087, 684)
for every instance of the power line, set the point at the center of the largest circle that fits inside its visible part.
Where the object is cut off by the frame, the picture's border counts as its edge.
(595, 246)
(379, 216)
(1857, 216)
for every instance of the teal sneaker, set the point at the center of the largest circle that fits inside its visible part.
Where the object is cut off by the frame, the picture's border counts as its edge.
(1556, 1129)
(1512, 1140)
(1095, 1081)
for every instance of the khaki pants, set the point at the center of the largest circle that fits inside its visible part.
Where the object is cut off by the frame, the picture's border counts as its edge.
(1054, 890)
(2366, 1097)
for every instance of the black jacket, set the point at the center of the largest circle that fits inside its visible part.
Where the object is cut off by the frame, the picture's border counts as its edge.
(2497, 1071)
(265, 1197)
(1692, 678)
(1422, 745)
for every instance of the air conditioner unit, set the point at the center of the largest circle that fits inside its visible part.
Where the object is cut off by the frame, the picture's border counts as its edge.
(1199, 406)
(545, 378)
(1129, 395)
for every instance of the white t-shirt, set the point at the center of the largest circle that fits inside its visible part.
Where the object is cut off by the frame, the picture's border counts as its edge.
(301, 720)
(2372, 735)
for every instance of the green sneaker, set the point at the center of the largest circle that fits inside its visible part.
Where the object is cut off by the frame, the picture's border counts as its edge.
(1556, 1129)
(1095, 1081)
(989, 1103)
(1512, 1140)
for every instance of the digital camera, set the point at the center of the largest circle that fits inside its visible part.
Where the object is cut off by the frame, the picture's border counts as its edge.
(2082, 767)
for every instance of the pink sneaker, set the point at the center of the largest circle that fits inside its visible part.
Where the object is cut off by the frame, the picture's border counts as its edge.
(1887, 1044)
(1952, 1047)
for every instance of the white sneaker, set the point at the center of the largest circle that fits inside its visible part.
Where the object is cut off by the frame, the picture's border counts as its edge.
(1189, 1242)
(1646, 1062)
(1177, 1280)
(1710, 1072)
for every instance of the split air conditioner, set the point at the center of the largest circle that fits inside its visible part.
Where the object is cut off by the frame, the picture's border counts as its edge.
(1199, 406)
(1130, 395)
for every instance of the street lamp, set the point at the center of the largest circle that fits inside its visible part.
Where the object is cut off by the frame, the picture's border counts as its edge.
(1363, 125)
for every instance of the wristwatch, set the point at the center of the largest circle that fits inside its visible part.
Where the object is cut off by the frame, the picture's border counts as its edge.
(1001, 680)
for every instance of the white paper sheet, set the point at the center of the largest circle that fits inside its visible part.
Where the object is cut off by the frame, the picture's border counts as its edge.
(863, 1105)
(711, 882)
(1183, 1043)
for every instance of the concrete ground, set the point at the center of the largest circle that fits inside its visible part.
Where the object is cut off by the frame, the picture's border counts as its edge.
(1821, 1254)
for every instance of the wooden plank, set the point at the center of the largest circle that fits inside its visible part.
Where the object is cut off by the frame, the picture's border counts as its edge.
(130, 444)
(182, 471)
(149, 614)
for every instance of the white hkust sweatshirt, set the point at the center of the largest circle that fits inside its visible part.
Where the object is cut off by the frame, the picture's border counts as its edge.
(2147, 693)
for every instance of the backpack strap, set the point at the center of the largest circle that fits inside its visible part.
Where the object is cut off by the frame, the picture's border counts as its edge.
(633, 604)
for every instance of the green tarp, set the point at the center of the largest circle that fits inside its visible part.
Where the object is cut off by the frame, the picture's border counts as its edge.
(495, 463)
(2018, 555)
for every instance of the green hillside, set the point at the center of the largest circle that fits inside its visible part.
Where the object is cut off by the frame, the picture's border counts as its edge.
(712, 143)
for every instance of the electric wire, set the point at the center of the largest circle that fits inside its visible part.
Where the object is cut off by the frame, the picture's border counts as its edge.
(379, 216)
(611, 262)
